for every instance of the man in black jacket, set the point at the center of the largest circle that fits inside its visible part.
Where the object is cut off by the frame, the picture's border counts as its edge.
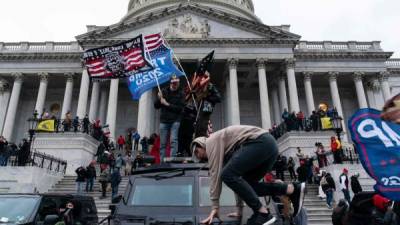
(329, 187)
(355, 184)
(171, 102)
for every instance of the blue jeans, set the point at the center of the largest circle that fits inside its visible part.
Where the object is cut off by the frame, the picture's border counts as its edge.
(79, 187)
(329, 197)
(172, 129)
(2, 161)
(346, 194)
(114, 192)
(89, 184)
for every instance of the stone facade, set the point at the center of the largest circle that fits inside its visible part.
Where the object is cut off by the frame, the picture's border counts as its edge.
(294, 74)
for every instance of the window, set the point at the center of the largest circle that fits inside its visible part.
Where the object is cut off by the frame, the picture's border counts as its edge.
(176, 191)
(227, 196)
(17, 210)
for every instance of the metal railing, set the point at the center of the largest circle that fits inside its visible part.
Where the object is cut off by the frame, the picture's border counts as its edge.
(38, 159)
(63, 125)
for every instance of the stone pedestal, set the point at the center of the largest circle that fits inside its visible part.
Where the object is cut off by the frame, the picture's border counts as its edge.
(76, 148)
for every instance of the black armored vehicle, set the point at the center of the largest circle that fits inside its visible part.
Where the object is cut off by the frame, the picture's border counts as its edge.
(172, 194)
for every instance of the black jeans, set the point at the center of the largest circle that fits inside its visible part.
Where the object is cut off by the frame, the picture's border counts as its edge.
(247, 166)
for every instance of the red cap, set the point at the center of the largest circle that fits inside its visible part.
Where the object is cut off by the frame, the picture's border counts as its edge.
(380, 202)
(345, 170)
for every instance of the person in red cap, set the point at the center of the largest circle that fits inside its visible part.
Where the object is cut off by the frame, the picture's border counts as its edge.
(344, 184)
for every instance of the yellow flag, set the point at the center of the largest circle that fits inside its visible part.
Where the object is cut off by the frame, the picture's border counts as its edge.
(46, 126)
(326, 123)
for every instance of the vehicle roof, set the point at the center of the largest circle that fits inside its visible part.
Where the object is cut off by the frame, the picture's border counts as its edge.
(170, 167)
(46, 194)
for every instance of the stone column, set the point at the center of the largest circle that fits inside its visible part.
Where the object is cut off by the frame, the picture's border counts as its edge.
(383, 79)
(373, 89)
(362, 100)
(293, 95)
(275, 103)
(94, 101)
(309, 92)
(282, 93)
(144, 114)
(12, 107)
(112, 107)
(69, 86)
(234, 92)
(41, 97)
(264, 98)
(228, 121)
(336, 99)
(103, 106)
(4, 99)
(83, 95)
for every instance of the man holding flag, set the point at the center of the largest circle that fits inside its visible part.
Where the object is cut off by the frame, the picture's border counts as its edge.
(171, 101)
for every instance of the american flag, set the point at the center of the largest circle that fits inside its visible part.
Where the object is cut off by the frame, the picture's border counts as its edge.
(116, 61)
(153, 41)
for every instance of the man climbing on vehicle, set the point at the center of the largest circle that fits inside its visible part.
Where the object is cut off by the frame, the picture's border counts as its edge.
(240, 156)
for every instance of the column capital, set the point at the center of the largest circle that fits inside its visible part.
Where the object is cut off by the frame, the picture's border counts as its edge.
(69, 76)
(290, 63)
(358, 76)
(373, 84)
(383, 76)
(261, 63)
(18, 77)
(43, 76)
(4, 85)
(308, 75)
(333, 75)
(233, 62)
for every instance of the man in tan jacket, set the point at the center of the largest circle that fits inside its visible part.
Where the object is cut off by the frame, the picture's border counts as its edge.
(240, 156)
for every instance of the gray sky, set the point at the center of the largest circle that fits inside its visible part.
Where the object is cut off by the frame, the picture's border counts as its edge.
(317, 20)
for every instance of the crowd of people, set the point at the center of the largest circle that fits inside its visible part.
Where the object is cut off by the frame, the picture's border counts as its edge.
(297, 121)
(14, 155)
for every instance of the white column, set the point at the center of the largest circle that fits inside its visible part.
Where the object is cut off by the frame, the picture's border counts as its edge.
(264, 98)
(275, 103)
(103, 106)
(293, 95)
(41, 97)
(336, 99)
(228, 121)
(234, 92)
(383, 78)
(4, 99)
(282, 93)
(362, 100)
(112, 107)
(144, 114)
(94, 101)
(12, 107)
(69, 86)
(309, 92)
(83, 95)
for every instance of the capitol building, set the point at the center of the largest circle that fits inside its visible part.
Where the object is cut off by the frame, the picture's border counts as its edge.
(259, 69)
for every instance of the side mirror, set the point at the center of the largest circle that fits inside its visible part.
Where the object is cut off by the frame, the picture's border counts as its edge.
(51, 219)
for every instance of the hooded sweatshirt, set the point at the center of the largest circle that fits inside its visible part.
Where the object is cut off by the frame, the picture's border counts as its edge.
(217, 146)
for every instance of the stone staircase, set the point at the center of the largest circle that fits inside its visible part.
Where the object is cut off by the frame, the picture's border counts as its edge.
(317, 211)
(68, 185)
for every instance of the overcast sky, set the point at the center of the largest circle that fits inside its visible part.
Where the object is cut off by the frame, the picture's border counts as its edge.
(317, 20)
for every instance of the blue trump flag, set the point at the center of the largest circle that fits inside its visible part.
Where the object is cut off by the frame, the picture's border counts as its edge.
(164, 68)
(378, 145)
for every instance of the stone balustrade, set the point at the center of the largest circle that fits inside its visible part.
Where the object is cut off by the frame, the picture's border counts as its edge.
(393, 63)
(338, 46)
(40, 47)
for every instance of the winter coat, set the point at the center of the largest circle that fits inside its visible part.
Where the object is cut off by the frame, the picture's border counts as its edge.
(330, 184)
(115, 178)
(302, 172)
(176, 100)
(119, 162)
(81, 174)
(90, 172)
(104, 176)
(355, 185)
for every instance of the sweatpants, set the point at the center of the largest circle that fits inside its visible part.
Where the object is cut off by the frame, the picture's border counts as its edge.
(247, 166)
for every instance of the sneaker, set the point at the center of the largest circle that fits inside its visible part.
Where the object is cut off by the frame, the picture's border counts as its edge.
(329, 206)
(297, 197)
(261, 219)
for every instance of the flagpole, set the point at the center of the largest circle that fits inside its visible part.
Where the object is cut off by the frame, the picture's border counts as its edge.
(155, 76)
(184, 73)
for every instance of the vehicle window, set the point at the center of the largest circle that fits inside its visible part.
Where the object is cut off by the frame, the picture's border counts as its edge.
(47, 207)
(176, 191)
(17, 209)
(227, 196)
